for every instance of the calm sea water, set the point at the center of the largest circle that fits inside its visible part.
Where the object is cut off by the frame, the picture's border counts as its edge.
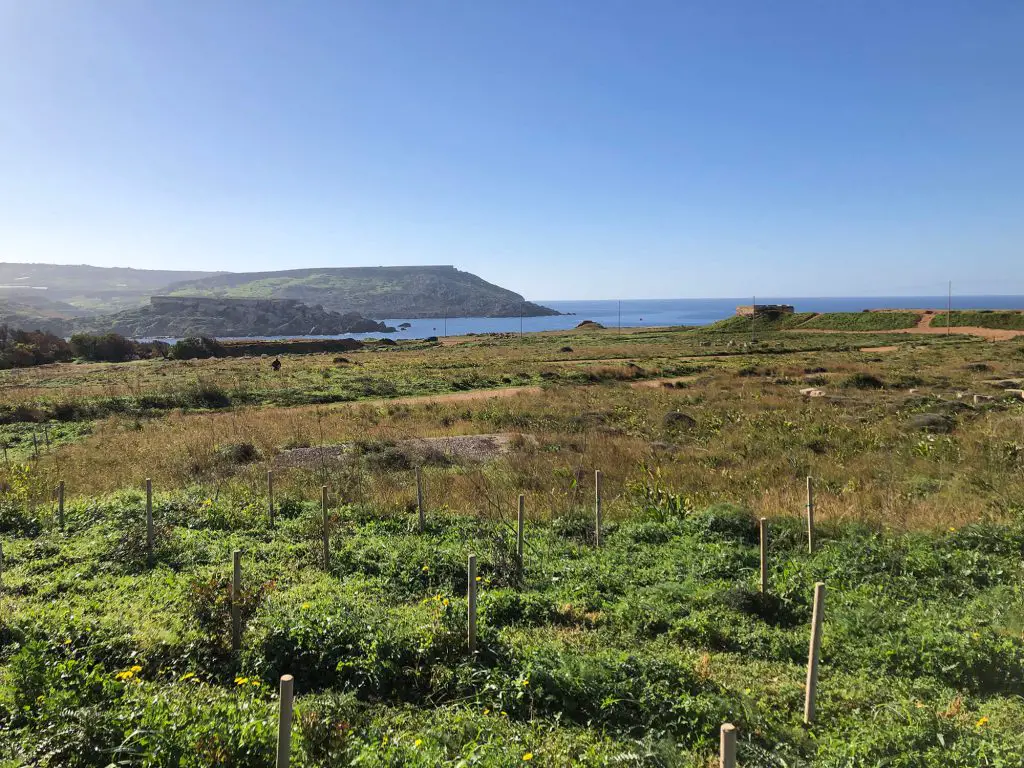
(654, 312)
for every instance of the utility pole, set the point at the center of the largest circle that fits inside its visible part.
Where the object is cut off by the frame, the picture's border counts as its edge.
(949, 307)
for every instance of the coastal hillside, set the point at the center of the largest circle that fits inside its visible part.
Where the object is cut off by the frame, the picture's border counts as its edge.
(381, 292)
(83, 289)
(179, 316)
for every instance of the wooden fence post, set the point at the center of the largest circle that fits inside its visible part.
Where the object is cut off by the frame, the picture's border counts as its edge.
(814, 654)
(810, 515)
(60, 504)
(270, 496)
(1, 564)
(763, 526)
(471, 601)
(727, 748)
(236, 600)
(520, 522)
(284, 722)
(597, 507)
(149, 518)
(327, 530)
(419, 500)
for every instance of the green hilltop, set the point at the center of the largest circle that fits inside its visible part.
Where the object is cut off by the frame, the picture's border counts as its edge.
(380, 292)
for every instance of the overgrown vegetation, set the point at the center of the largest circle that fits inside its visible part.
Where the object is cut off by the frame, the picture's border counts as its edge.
(628, 655)
(862, 321)
(22, 349)
(981, 319)
(631, 654)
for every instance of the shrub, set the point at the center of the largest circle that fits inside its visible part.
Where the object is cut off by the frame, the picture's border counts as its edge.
(197, 348)
(106, 348)
(862, 380)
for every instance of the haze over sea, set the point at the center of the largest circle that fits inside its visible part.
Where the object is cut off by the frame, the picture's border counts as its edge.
(658, 312)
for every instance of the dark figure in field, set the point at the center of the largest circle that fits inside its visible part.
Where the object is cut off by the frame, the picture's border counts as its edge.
(276, 365)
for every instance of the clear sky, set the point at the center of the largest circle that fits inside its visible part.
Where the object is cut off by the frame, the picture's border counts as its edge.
(564, 149)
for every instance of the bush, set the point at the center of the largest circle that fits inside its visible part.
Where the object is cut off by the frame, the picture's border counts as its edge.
(20, 349)
(106, 348)
(197, 348)
(862, 381)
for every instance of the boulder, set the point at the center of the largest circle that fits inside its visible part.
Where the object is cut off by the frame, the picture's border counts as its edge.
(812, 392)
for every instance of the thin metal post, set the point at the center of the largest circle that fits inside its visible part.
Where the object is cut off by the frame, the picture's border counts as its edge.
(597, 507)
(471, 603)
(520, 521)
(236, 600)
(60, 504)
(284, 722)
(810, 515)
(270, 496)
(419, 500)
(149, 518)
(763, 527)
(327, 534)
(814, 653)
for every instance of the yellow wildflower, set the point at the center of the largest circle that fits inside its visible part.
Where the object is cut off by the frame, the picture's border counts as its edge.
(528, 756)
(982, 722)
(125, 675)
(417, 742)
(187, 676)
(241, 680)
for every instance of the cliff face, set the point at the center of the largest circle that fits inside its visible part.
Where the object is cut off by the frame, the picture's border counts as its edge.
(381, 292)
(179, 316)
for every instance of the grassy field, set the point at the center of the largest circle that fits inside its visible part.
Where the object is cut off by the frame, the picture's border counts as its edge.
(1013, 321)
(862, 321)
(632, 654)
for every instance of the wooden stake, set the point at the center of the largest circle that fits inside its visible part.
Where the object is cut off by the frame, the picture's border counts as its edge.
(520, 522)
(327, 531)
(815, 651)
(763, 526)
(597, 507)
(810, 515)
(270, 496)
(236, 601)
(284, 723)
(727, 750)
(149, 518)
(60, 504)
(1, 564)
(419, 500)
(471, 595)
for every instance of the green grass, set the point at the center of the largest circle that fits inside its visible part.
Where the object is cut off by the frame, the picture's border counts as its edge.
(633, 654)
(861, 321)
(980, 319)
(737, 324)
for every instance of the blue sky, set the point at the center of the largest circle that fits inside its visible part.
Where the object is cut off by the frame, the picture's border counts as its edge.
(591, 149)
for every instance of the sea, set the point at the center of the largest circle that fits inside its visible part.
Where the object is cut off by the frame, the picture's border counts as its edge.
(633, 313)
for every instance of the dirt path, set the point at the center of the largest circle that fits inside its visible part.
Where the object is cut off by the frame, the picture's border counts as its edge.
(488, 394)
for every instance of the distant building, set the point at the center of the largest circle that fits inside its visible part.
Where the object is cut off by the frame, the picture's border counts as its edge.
(764, 310)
